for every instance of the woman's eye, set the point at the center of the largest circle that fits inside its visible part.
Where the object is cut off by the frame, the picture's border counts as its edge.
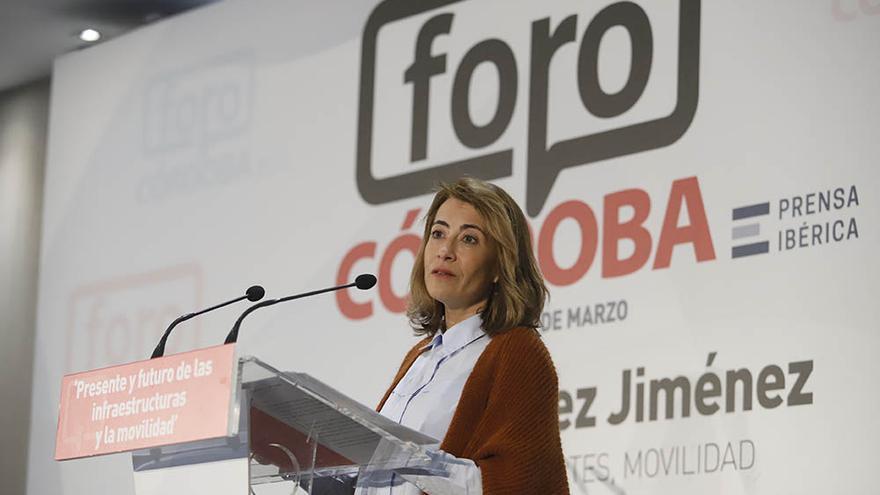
(469, 239)
(436, 234)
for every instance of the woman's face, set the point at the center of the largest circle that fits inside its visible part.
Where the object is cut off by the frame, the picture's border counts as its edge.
(459, 257)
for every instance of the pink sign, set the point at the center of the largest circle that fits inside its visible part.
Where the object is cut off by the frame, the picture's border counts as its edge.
(179, 398)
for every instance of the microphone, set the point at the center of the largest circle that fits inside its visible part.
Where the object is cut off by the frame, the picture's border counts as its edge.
(362, 282)
(253, 294)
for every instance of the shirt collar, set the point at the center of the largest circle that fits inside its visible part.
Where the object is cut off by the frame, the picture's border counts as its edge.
(460, 335)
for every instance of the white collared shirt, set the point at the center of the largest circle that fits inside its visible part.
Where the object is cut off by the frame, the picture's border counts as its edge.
(426, 397)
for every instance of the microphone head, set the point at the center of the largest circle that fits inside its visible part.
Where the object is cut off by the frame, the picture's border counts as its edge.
(255, 293)
(365, 281)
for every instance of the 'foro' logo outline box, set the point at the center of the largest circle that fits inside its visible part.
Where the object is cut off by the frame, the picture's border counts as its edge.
(544, 160)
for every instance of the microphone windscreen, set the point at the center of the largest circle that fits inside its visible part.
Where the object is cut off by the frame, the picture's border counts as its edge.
(255, 293)
(365, 281)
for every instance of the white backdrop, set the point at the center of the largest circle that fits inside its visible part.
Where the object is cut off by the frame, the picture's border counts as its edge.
(197, 156)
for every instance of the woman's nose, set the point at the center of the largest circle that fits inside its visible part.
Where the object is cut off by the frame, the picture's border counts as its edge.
(446, 250)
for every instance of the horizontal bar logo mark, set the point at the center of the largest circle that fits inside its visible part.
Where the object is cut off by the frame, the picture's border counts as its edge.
(751, 211)
(750, 230)
(750, 249)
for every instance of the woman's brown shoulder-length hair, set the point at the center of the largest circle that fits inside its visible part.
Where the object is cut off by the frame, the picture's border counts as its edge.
(517, 299)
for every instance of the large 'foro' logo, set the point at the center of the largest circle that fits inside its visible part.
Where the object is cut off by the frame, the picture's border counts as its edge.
(544, 160)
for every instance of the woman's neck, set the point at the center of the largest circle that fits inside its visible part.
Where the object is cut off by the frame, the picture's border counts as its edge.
(455, 316)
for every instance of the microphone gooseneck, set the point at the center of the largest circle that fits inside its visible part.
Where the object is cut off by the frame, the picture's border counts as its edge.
(254, 293)
(362, 282)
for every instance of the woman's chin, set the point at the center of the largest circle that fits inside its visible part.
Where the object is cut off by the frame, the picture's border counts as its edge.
(440, 290)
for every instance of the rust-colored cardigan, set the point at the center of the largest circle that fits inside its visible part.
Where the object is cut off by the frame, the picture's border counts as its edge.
(507, 418)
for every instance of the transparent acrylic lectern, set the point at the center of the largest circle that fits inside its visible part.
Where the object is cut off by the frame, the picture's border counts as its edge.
(291, 433)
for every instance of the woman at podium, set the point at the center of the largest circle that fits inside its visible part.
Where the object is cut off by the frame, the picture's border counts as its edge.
(480, 378)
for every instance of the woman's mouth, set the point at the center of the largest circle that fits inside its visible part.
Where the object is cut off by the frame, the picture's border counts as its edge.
(440, 272)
